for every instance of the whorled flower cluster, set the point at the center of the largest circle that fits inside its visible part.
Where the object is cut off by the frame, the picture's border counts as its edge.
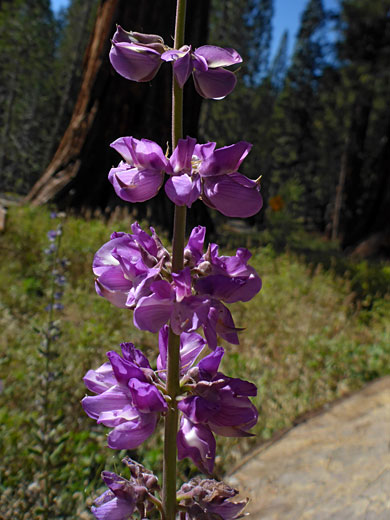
(198, 499)
(123, 496)
(134, 271)
(131, 397)
(138, 57)
(195, 171)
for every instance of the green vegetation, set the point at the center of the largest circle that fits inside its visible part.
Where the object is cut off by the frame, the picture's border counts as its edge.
(311, 336)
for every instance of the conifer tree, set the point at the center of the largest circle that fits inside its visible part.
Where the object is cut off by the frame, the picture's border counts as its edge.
(27, 90)
(363, 188)
(295, 154)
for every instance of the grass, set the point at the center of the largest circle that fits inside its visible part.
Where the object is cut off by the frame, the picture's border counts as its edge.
(311, 336)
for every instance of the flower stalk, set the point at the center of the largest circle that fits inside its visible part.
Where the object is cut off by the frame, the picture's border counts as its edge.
(174, 295)
(173, 355)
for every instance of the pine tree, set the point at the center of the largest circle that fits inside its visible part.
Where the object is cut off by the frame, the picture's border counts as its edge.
(296, 153)
(278, 68)
(364, 188)
(27, 90)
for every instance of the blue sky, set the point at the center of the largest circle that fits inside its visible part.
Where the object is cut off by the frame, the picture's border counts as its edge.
(287, 16)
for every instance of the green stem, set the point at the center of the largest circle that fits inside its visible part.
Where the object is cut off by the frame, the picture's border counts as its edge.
(173, 361)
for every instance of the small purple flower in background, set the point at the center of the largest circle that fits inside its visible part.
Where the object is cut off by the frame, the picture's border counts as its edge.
(127, 265)
(136, 56)
(141, 174)
(217, 404)
(53, 234)
(127, 399)
(200, 171)
(209, 500)
(54, 306)
(206, 66)
(126, 496)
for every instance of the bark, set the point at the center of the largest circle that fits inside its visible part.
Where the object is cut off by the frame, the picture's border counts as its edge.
(108, 107)
(349, 185)
(375, 227)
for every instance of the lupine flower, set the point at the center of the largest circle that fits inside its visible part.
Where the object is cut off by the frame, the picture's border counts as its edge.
(210, 500)
(134, 271)
(127, 399)
(53, 234)
(174, 302)
(200, 171)
(127, 265)
(217, 404)
(141, 174)
(125, 496)
(136, 56)
(228, 278)
(206, 65)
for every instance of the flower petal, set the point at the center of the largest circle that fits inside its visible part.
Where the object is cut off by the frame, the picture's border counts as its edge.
(197, 409)
(196, 442)
(135, 62)
(181, 158)
(209, 365)
(225, 160)
(217, 56)
(229, 290)
(152, 312)
(194, 247)
(100, 380)
(131, 434)
(183, 190)
(214, 83)
(112, 399)
(182, 69)
(115, 509)
(135, 185)
(233, 195)
(146, 397)
(124, 369)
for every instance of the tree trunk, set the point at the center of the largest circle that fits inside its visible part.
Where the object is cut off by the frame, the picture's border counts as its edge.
(348, 190)
(109, 106)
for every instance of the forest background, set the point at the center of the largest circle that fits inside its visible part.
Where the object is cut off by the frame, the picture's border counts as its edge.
(319, 121)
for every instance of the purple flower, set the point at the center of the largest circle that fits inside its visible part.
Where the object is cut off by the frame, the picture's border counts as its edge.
(141, 174)
(127, 399)
(116, 503)
(200, 171)
(191, 345)
(209, 499)
(229, 278)
(174, 302)
(127, 265)
(136, 56)
(134, 271)
(53, 234)
(125, 496)
(217, 404)
(196, 442)
(206, 65)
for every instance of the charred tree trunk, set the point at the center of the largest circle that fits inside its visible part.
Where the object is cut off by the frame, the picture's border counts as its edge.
(108, 107)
